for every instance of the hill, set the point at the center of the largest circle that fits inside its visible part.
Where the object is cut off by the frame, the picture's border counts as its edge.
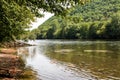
(98, 19)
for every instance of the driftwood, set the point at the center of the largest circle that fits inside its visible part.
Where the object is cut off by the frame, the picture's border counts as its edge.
(10, 65)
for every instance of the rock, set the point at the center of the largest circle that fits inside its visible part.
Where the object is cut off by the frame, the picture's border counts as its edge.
(8, 50)
(64, 51)
(114, 78)
(10, 65)
(99, 51)
(9, 79)
(10, 72)
(13, 44)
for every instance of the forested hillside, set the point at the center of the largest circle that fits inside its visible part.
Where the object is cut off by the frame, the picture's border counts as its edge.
(17, 15)
(98, 19)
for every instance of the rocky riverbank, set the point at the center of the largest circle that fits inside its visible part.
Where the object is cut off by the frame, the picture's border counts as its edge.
(11, 65)
(13, 44)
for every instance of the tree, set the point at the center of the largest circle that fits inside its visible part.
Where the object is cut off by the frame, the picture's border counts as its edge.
(14, 18)
(112, 30)
(16, 15)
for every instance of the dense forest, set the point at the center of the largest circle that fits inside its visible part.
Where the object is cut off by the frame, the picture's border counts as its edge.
(17, 15)
(99, 19)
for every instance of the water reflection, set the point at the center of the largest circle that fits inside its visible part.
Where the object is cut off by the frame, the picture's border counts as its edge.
(49, 69)
(67, 60)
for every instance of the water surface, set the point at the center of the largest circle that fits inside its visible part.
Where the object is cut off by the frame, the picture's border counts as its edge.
(73, 60)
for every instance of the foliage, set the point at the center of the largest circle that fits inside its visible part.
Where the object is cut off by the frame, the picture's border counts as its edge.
(97, 10)
(90, 21)
(14, 18)
(16, 15)
(112, 30)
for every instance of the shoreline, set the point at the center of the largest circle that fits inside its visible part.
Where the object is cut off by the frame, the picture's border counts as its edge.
(14, 44)
(11, 66)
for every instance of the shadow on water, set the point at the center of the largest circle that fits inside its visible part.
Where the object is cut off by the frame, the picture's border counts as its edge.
(73, 60)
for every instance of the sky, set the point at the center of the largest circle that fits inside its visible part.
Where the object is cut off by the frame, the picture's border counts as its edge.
(39, 21)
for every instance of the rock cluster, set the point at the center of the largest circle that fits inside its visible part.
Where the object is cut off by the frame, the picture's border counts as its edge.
(10, 65)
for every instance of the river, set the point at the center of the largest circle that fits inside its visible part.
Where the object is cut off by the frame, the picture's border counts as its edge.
(73, 59)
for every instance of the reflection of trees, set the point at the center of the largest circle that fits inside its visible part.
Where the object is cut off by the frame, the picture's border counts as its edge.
(99, 63)
(26, 52)
(23, 52)
(32, 51)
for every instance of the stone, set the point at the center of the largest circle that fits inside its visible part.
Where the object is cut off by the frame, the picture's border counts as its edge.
(10, 65)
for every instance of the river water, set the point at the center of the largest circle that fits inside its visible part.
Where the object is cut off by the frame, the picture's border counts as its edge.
(73, 59)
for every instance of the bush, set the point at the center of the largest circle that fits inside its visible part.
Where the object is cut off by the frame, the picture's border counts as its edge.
(112, 30)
